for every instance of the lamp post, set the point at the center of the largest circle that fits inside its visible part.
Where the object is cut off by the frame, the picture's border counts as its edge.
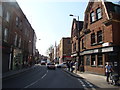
(78, 52)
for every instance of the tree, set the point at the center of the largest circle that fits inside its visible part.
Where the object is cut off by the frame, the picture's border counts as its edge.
(49, 50)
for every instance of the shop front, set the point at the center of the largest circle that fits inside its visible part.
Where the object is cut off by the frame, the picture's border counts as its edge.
(17, 59)
(96, 59)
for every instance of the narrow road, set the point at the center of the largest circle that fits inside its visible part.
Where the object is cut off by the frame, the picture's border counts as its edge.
(41, 77)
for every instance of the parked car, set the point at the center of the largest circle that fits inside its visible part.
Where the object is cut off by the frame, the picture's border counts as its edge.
(62, 65)
(43, 63)
(51, 66)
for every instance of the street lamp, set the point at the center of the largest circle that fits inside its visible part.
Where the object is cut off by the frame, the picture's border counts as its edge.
(74, 16)
(78, 53)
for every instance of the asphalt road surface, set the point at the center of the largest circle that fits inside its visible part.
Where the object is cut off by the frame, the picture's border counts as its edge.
(41, 77)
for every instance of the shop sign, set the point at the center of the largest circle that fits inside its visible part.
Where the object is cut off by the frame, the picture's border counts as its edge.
(109, 49)
(90, 52)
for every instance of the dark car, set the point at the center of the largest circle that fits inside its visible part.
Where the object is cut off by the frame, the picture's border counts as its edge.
(51, 66)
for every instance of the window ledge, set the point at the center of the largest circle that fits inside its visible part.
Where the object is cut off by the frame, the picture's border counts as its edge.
(98, 19)
(93, 44)
(99, 43)
(95, 20)
(93, 65)
(101, 66)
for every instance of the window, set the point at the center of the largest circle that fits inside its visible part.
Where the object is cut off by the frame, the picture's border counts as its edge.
(1, 10)
(100, 60)
(5, 35)
(86, 25)
(15, 42)
(93, 62)
(92, 16)
(17, 21)
(0, 33)
(74, 47)
(88, 60)
(19, 45)
(92, 38)
(69, 42)
(7, 17)
(99, 36)
(20, 25)
(98, 14)
(82, 43)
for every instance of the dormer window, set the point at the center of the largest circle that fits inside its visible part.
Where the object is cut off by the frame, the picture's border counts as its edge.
(98, 14)
(92, 17)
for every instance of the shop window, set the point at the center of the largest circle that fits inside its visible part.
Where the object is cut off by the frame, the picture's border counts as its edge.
(92, 38)
(100, 60)
(93, 60)
(92, 17)
(88, 60)
(98, 14)
(99, 36)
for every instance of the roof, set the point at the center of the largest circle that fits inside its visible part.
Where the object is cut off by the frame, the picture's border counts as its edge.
(77, 24)
(111, 7)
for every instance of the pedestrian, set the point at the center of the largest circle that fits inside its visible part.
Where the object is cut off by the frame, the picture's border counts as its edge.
(68, 65)
(76, 66)
(108, 70)
(71, 66)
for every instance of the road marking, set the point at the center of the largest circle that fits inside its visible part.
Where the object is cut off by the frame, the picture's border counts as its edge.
(90, 85)
(36, 81)
(82, 84)
(43, 76)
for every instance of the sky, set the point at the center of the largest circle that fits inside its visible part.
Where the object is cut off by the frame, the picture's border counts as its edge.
(50, 19)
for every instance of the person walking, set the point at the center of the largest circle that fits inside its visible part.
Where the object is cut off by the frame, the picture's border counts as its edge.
(108, 70)
(71, 66)
(76, 66)
(68, 65)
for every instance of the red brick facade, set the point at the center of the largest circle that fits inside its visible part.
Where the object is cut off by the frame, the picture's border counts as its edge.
(65, 49)
(17, 37)
(100, 41)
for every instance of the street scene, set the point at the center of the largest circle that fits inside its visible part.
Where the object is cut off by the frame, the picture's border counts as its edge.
(60, 44)
(40, 77)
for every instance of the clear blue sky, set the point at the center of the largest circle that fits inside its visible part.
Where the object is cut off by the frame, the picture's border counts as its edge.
(51, 20)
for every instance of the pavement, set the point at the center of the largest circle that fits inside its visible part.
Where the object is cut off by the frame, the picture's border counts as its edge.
(98, 80)
(15, 72)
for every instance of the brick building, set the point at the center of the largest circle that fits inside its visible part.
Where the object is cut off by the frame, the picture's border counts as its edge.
(100, 41)
(65, 49)
(75, 32)
(17, 37)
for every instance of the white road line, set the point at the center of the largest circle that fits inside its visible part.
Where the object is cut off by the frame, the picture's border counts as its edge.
(90, 85)
(82, 84)
(36, 81)
(43, 76)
